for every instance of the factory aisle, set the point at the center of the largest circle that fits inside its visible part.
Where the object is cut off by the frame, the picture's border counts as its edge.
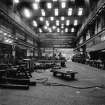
(61, 95)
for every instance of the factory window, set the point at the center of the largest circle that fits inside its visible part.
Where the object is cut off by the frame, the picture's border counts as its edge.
(97, 40)
(90, 44)
(87, 35)
(103, 37)
(81, 40)
(103, 19)
(92, 28)
(99, 24)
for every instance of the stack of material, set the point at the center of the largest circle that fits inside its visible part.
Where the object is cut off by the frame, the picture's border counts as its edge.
(15, 79)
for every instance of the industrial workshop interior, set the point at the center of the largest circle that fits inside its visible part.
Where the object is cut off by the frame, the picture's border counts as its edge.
(52, 52)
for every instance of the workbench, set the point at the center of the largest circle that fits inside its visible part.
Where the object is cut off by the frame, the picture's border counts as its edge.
(64, 73)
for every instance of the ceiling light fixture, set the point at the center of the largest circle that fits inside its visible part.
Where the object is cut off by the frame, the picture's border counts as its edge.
(70, 11)
(35, 6)
(66, 29)
(62, 31)
(67, 22)
(52, 18)
(47, 23)
(40, 30)
(54, 0)
(27, 13)
(34, 23)
(62, 18)
(58, 30)
(8, 41)
(16, 1)
(62, 26)
(43, 12)
(63, 4)
(54, 27)
(50, 30)
(80, 11)
(56, 12)
(37, 1)
(5, 34)
(57, 22)
(75, 22)
(45, 27)
(72, 29)
(49, 5)
(41, 19)
(9, 35)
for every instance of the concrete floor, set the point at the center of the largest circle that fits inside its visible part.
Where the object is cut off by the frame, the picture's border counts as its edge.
(59, 95)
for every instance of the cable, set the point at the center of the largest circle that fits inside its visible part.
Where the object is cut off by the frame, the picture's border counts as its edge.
(59, 84)
(45, 82)
(41, 80)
